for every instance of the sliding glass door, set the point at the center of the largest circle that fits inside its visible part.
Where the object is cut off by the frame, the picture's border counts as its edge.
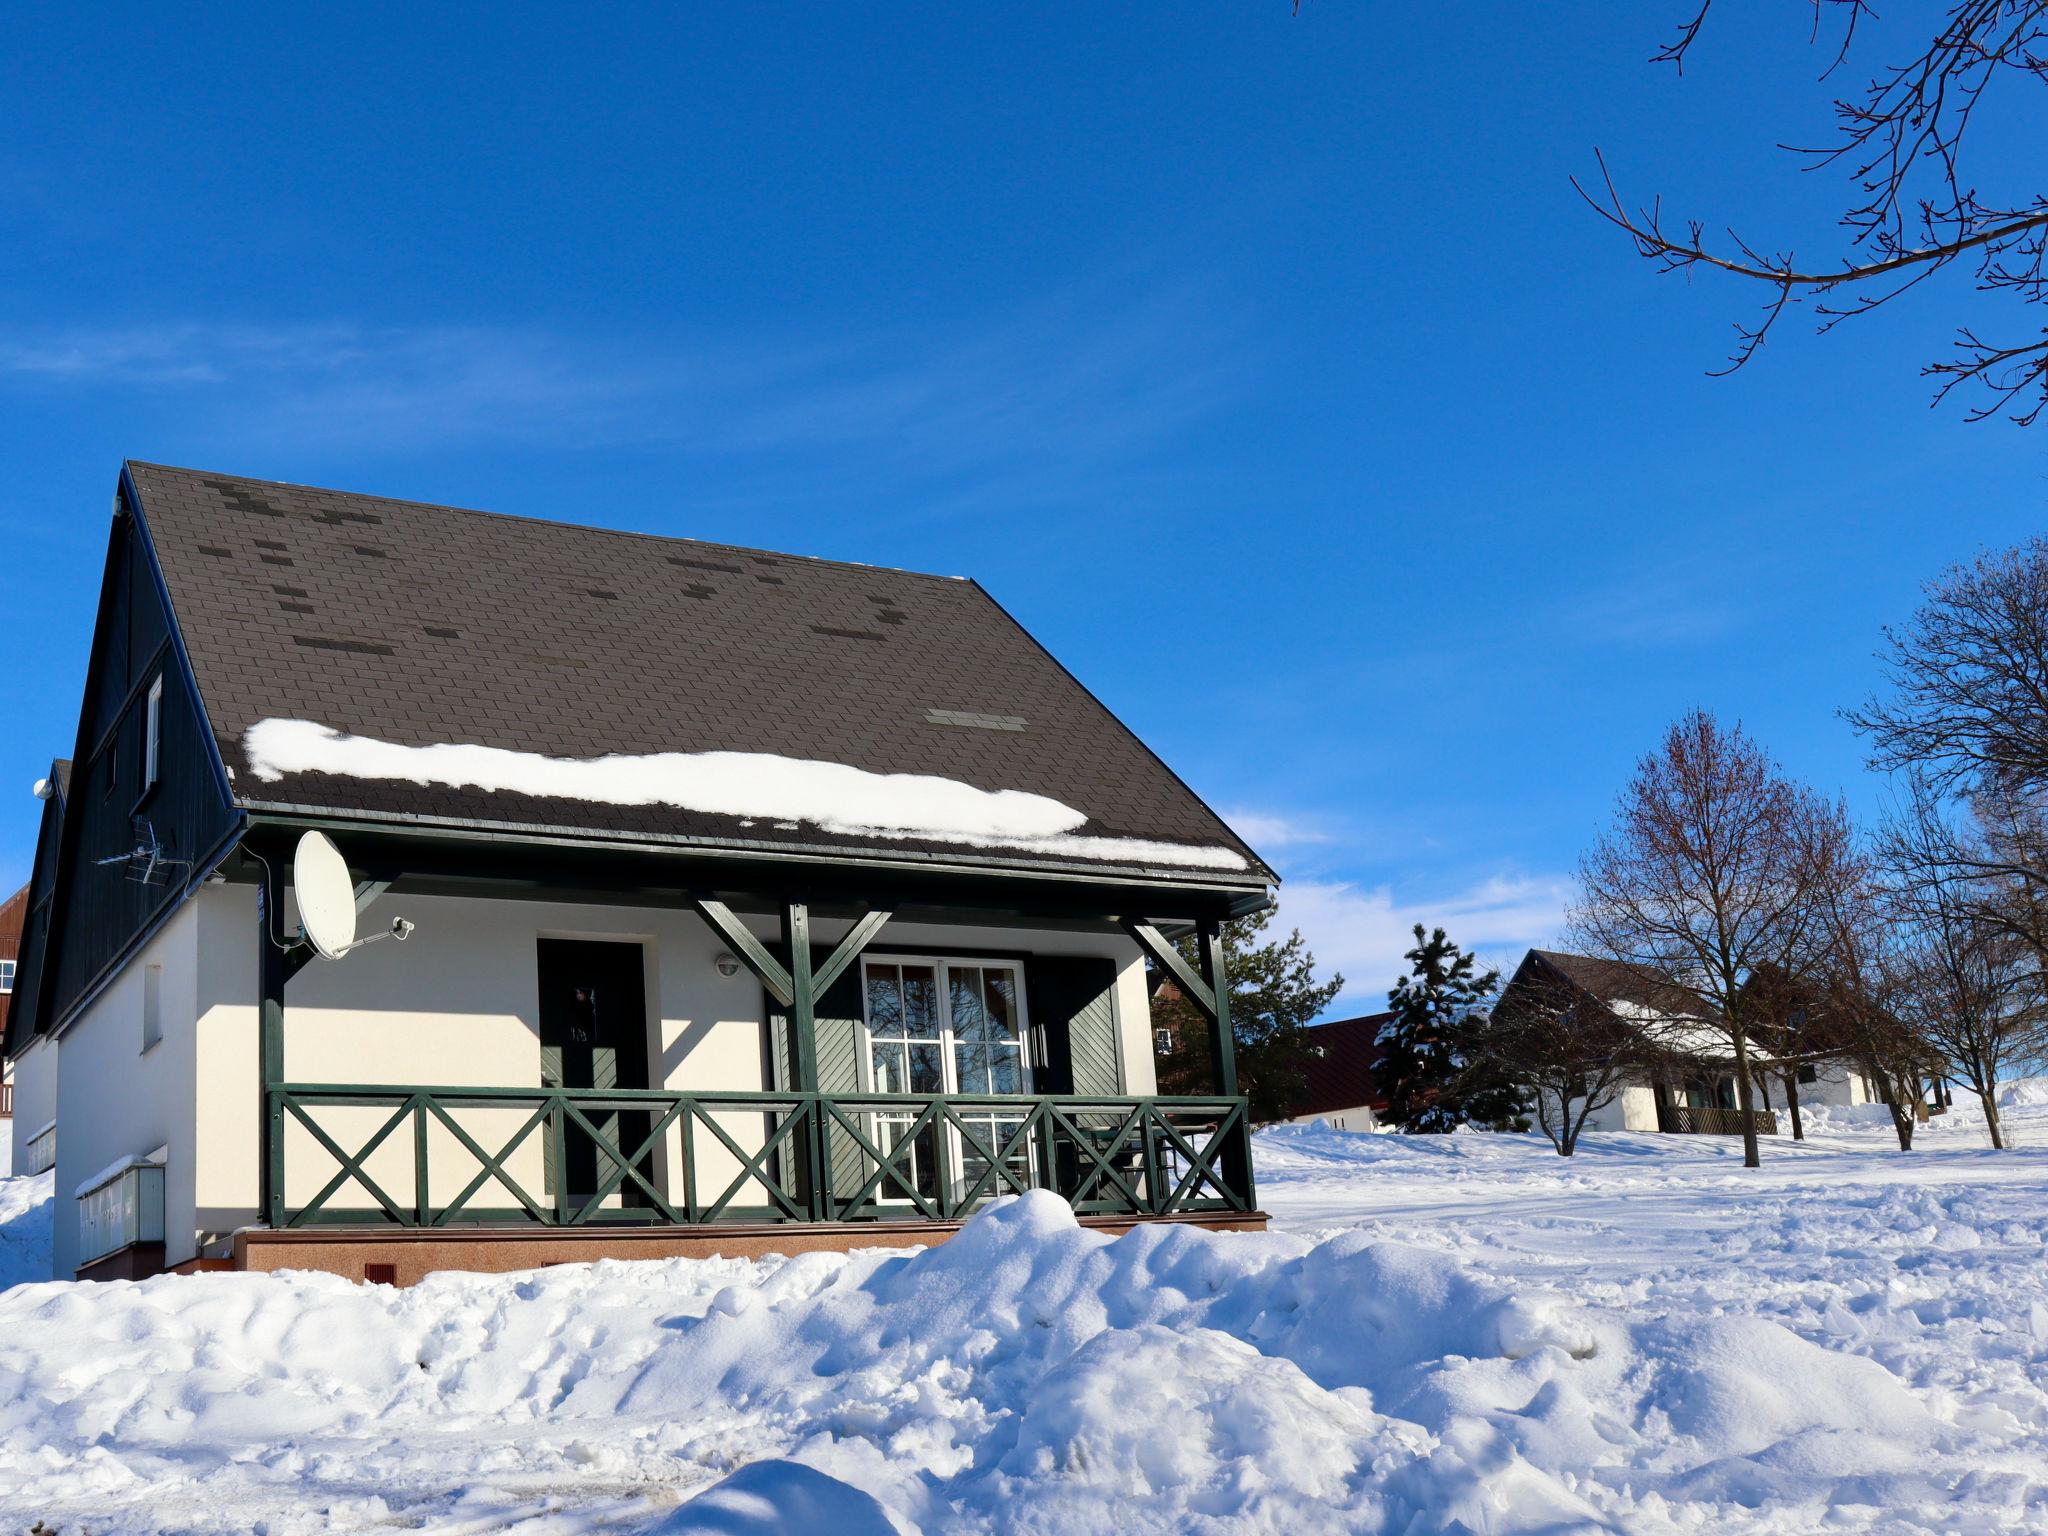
(947, 1027)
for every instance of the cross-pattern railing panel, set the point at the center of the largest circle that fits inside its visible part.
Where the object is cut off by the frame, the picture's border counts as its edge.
(1694, 1120)
(464, 1156)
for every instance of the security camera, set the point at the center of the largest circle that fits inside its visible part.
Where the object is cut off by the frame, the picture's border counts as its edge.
(727, 965)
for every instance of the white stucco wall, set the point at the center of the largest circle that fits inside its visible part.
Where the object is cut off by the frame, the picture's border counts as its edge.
(1357, 1118)
(1834, 1084)
(115, 1099)
(35, 1094)
(1633, 1108)
(459, 1004)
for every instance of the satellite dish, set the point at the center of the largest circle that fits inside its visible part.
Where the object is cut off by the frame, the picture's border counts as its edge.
(327, 895)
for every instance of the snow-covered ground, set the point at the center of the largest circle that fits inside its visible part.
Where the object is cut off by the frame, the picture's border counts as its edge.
(1442, 1334)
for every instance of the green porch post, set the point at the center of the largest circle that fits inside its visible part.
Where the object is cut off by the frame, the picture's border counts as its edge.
(273, 967)
(1237, 1155)
(803, 1051)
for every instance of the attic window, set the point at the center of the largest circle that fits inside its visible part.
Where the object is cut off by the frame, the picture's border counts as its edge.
(968, 719)
(152, 734)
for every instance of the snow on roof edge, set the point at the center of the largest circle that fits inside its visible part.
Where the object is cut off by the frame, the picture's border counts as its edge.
(762, 786)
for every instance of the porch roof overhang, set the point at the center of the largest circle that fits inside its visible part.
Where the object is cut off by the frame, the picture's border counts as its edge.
(426, 856)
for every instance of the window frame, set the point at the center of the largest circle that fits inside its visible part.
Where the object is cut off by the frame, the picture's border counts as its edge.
(152, 1008)
(947, 1039)
(152, 738)
(948, 1042)
(8, 966)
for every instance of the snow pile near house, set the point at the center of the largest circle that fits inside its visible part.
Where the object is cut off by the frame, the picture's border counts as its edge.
(25, 1206)
(753, 785)
(1030, 1376)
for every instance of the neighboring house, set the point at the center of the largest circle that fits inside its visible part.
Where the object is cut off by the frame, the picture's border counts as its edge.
(32, 1060)
(1696, 1093)
(1340, 1087)
(12, 910)
(761, 903)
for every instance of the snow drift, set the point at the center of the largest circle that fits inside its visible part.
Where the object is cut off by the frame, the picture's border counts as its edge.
(1028, 1376)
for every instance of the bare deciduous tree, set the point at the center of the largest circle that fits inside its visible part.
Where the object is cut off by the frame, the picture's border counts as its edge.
(1974, 982)
(1919, 204)
(1856, 957)
(1706, 875)
(1968, 678)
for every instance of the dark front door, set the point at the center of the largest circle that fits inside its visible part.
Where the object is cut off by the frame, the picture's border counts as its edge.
(593, 1034)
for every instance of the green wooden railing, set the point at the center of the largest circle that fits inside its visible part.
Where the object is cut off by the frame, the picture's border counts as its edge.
(648, 1156)
(1690, 1120)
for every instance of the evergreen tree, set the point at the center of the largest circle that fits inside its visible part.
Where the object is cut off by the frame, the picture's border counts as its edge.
(1274, 995)
(1425, 1066)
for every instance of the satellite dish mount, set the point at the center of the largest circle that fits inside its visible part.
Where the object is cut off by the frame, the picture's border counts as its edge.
(326, 895)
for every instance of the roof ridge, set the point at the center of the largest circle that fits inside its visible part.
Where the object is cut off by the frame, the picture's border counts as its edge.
(546, 522)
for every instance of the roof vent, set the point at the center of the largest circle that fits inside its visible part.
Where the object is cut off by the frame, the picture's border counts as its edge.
(968, 719)
(330, 643)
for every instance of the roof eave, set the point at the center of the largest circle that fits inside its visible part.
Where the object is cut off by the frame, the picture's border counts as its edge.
(1254, 882)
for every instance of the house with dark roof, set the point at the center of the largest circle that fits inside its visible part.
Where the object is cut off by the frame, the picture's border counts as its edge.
(12, 910)
(31, 1068)
(1692, 1088)
(1340, 1090)
(750, 902)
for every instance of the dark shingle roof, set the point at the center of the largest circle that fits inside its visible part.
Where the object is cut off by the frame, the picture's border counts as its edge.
(424, 624)
(1342, 1077)
(1617, 981)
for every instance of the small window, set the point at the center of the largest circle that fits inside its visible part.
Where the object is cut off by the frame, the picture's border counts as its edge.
(152, 735)
(6, 977)
(152, 1005)
(1162, 1042)
(1809, 1073)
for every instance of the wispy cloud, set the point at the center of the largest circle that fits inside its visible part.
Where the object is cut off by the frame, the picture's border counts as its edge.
(1266, 830)
(1039, 400)
(1363, 931)
(1656, 608)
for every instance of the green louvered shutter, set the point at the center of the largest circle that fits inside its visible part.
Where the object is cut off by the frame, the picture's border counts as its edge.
(1073, 1016)
(838, 1037)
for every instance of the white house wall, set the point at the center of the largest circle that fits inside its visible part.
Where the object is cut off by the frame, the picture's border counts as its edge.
(1633, 1108)
(1835, 1085)
(35, 1094)
(116, 1099)
(1359, 1117)
(458, 1004)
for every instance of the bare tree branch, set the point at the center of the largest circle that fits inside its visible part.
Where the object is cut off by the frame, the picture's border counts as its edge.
(1916, 210)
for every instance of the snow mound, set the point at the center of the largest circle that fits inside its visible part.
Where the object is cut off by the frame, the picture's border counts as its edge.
(25, 1207)
(778, 1498)
(1028, 1376)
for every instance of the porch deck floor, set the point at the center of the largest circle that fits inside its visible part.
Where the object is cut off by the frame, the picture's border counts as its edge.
(404, 1256)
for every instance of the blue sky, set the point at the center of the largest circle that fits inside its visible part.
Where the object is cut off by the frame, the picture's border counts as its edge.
(1266, 366)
